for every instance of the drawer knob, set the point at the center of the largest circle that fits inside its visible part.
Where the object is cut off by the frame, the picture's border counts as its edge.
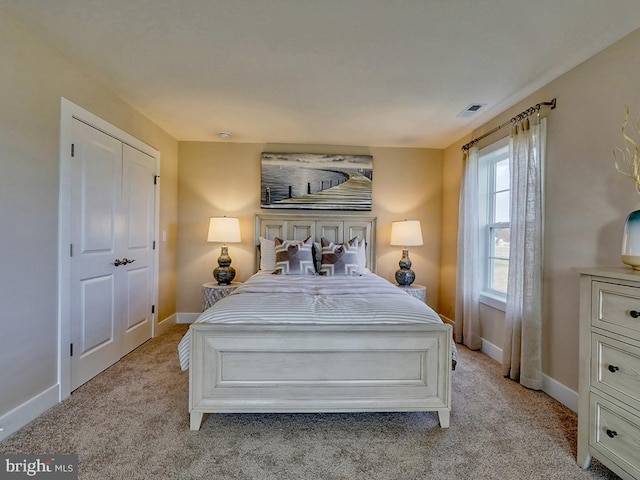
(613, 368)
(611, 433)
(634, 314)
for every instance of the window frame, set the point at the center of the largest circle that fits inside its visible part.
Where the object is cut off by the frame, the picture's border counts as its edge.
(488, 158)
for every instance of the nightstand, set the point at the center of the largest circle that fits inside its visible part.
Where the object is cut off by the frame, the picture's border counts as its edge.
(212, 292)
(416, 291)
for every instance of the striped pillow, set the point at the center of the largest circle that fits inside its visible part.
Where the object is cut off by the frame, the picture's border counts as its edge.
(341, 259)
(294, 257)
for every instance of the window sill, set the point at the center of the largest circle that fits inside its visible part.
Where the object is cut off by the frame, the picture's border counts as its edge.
(493, 301)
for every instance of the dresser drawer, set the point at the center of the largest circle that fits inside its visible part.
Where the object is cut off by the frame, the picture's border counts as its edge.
(615, 433)
(615, 368)
(616, 308)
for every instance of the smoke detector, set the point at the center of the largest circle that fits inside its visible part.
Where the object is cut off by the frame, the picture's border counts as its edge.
(224, 135)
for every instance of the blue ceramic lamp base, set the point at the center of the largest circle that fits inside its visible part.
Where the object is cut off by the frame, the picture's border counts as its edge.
(405, 276)
(224, 273)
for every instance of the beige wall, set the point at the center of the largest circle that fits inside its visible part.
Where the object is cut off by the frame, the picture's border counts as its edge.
(451, 181)
(34, 78)
(224, 179)
(586, 199)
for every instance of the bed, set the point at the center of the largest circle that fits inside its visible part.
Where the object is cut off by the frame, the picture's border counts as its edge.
(292, 342)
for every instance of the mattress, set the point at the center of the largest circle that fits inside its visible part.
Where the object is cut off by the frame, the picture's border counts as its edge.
(313, 299)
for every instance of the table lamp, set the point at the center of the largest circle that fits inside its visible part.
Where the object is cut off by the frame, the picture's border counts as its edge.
(406, 233)
(224, 230)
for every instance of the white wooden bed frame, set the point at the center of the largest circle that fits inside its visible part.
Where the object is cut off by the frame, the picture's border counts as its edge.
(236, 368)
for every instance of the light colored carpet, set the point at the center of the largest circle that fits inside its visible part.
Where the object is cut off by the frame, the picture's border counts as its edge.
(131, 422)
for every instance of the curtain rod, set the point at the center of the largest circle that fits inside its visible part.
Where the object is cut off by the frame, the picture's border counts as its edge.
(517, 118)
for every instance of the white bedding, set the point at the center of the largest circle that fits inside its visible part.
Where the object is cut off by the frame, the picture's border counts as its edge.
(309, 299)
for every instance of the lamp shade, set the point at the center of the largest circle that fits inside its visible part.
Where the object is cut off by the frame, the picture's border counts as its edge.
(406, 233)
(224, 230)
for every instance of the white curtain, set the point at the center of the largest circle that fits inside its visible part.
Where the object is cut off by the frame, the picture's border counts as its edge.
(467, 326)
(522, 352)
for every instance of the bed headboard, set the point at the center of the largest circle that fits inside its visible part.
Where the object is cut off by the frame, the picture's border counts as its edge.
(337, 228)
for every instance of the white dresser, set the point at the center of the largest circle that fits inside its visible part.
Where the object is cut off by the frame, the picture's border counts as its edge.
(609, 405)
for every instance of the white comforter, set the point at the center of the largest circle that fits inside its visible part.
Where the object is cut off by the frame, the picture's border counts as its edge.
(267, 298)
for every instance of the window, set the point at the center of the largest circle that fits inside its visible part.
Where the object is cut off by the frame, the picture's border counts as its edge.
(495, 209)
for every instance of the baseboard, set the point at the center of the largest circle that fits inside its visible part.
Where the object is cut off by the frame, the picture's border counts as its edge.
(490, 350)
(17, 418)
(164, 325)
(550, 386)
(186, 317)
(562, 393)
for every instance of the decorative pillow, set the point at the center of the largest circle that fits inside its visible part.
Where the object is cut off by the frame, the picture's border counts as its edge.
(341, 259)
(294, 257)
(267, 254)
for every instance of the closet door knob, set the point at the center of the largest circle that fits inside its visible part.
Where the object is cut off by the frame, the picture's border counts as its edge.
(613, 368)
(117, 262)
(634, 314)
(611, 433)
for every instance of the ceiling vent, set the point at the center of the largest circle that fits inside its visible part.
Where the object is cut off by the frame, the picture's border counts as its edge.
(471, 110)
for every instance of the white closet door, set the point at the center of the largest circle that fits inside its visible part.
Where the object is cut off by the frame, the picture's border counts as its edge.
(112, 232)
(138, 194)
(95, 231)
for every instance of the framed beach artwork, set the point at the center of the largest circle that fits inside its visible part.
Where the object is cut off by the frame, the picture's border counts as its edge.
(317, 182)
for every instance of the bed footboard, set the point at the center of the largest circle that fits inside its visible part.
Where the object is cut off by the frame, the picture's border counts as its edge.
(319, 368)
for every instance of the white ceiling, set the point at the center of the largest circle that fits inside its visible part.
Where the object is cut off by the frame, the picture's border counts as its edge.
(336, 72)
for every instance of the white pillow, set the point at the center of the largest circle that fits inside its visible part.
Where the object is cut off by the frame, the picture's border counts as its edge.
(362, 255)
(267, 254)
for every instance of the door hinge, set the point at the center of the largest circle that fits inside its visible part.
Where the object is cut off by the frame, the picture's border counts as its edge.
(154, 245)
(71, 349)
(73, 149)
(155, 179)
(153, 309)
(71, 249)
